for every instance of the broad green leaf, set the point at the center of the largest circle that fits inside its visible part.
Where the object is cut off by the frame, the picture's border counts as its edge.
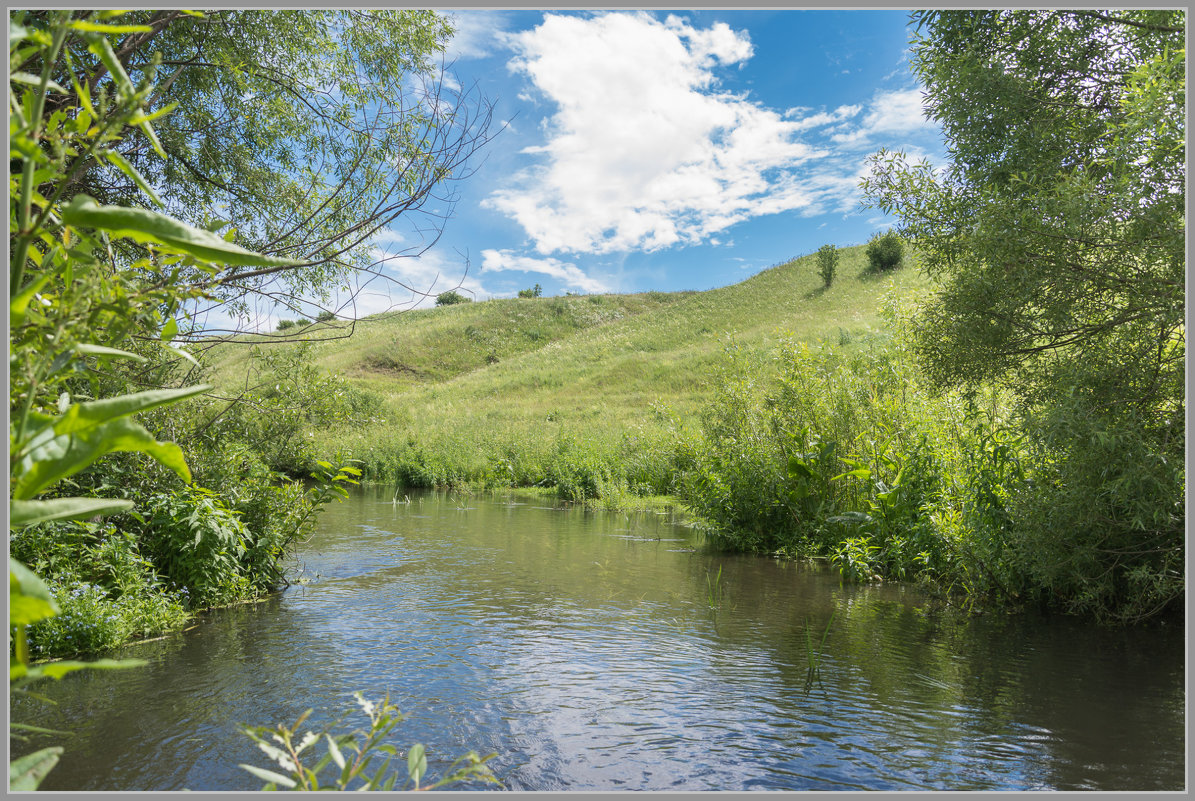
(84, 415)
(170, 330)
(103, 350)
(29, 599)
(416, 763)
(150, 227)
(27, 772)
(270, 776)
(28, 513)
(56, 457)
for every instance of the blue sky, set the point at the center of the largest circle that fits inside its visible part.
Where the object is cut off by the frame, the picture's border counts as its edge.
(664, 150)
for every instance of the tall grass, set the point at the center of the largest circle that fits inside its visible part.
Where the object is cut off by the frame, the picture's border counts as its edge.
(603, 411)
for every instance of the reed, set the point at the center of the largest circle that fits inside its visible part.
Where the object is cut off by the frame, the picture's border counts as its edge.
(814, 656)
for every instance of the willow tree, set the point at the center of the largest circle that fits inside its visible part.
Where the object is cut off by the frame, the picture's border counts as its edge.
(1057, 234)
(307, 132)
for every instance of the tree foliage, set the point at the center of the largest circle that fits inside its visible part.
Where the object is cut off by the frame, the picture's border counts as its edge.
(827, 263)
(305, 132)
(1057, 232)
(451, 298)
(885, 252)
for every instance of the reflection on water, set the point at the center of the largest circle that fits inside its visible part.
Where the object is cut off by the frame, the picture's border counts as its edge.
(583, 649)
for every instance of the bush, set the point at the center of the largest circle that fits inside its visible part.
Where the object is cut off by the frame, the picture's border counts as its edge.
(302, 322)
(534, 292)
(885, 252)
(451, 298)
(196, 541)
(325, 316)
(285, 324)
(107, 592)
(827, 263)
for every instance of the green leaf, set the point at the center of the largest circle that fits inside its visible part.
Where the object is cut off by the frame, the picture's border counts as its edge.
(56, 670)
(128, 169)
(40, 729)
(94, 27)
(18, 306)
(27, 772)
(33, 80)
(53, 458)
(334, 752)
(82, 416)
(141, 116)
(270, 776)
(416, 763)
(146, 226)
(101, 47)
(102, 350)
(170, 330)
(29, 599)
(16, 32)
(28, 513)
(179, 352)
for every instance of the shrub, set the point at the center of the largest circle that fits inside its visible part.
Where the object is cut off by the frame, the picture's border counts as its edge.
(325, 316)
(197, 542)
(302, 322)
(451, 298)
(827, 263)
(285, 324)
(534, 292)
(885, 252)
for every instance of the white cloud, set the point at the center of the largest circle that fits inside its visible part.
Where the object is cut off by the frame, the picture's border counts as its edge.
(643, 152)
(568, 273)
(821, 118)
(479, 33)
(898, 112)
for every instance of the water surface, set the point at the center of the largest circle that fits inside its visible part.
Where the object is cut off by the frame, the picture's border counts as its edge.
(591, 652)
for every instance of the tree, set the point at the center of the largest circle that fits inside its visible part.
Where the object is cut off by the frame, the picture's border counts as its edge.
(451, 298)
(305, 132)
(885, 252)
(827, 263)
(1057, 234)
(534, 292)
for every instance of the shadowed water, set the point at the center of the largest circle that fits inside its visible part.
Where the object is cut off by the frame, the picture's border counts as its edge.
(583, 648)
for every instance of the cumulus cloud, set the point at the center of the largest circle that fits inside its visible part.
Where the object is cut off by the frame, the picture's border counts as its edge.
(568, 273)
(644, 151)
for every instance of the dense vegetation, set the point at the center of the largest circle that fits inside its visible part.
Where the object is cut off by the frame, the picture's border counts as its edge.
(989, 398)
(1005, 421)
(102, 293)
(1012, 431)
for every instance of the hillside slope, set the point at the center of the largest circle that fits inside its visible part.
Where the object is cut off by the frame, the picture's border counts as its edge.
(523, 391)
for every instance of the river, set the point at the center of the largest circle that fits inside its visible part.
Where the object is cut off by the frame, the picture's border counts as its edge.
(611, 651)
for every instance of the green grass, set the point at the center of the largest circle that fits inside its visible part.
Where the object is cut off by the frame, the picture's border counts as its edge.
(592, 394)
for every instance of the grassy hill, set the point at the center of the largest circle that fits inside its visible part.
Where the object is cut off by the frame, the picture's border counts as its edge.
(574, 391)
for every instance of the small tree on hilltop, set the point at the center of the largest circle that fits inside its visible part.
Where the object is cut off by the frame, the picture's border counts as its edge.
(827, 263)
(451, 298)
(885, 252)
